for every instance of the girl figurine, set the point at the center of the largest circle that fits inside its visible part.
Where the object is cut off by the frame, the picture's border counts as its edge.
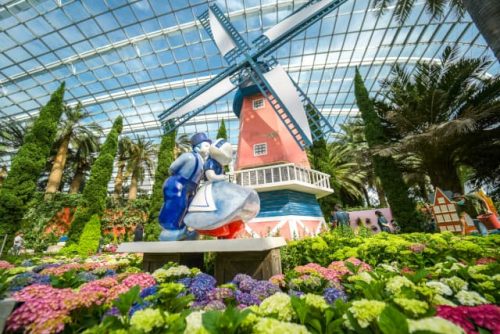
(220, 208)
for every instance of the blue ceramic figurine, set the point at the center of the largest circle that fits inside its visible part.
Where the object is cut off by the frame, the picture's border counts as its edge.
(178, 190)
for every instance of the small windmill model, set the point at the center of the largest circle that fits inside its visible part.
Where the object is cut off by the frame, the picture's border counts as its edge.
(277, 120)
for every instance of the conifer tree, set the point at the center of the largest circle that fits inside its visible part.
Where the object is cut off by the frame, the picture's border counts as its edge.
(386, 168)
(94, 195)
(20, 184)
(222, 133)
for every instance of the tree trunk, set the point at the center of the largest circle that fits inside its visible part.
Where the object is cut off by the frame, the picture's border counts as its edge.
(381, 196)
(76, 183)
(367, 197)
(56, 173)
(118, 183)
(486, 16)
(132, 193)
(446, 179)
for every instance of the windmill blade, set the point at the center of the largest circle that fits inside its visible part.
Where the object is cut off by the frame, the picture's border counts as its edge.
(294, 24)
(287, 94)
(200, 101)
(229, 42)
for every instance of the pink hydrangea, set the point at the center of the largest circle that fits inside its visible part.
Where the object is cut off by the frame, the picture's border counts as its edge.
(417, 248)
(5, 265)
(115, 291)
(58, 271)
(314, 268)
(143, 280)
(341, 268)
(45, 309)
(278, 280)
(468, 317)
(485, 260)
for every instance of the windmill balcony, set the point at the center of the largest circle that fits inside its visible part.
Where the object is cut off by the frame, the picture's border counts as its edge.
(284, 176)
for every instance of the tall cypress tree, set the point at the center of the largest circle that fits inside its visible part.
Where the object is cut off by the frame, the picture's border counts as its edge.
(27, 165)
(166, 156)
(94, 195)
(386, 168)
(222, 133)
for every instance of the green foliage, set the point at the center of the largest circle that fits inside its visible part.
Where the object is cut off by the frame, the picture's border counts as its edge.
(39, 214)
(386, 168)
(222, 133)
(96, 189)
(320, 321)
(20, 184)
(386, 248)
(89, 240)
(166, 156)
(228, 321)
(391, 321)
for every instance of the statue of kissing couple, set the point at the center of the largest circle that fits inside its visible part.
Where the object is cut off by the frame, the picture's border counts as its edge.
(217, 208)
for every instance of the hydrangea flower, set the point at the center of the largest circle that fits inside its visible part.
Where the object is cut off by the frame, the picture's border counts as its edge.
(332, 294)
(278, 280)
(5, 265)
(247, 285)
(28, 278)
(413, 306)
(215, 305)
(273, 326)
(366, 311)
(200, 285)
(435, 325)
(363, 276)
(315, 301)
(485, 316)
(220, 294)
(247, 299)
(143, 280)
(240, 277)
(151, 290)
(455, 283)
(264, 289)
(470, 298)
(86, 277)
(194, 323)
(147, 319)
(396, 283)
(295, 293)
(186, 281)
(278, 305)
(440, 288)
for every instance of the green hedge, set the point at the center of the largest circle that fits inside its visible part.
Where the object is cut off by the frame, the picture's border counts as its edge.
(89, 240)
(165, 158)
(96, 189)
(20, 184)
(414, 250)
(386, 168)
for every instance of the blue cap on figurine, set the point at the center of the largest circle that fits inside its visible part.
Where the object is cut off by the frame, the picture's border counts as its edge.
(199, 138)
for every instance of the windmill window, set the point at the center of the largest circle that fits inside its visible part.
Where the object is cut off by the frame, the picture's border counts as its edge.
(258, 104)
(259, 149)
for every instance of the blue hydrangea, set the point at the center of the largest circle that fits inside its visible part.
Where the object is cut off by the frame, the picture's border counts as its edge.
(151, 290)
(27, 263)
(240, 277)
(201, 285)
(86, 277)
(247, 285)
(109, 272)
(41, 267)
(22, 280)
(139, 306)
(295, 293)
(186, 281)
(264, 289)
(332, 294)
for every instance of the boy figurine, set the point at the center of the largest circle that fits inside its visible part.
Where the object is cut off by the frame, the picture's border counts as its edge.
(178, 190)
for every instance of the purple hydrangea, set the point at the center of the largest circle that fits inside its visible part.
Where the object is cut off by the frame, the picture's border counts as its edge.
(41, 267)
(332, 294)
(112, 312)
(215, 305)
(264, 289)
(201, 285)
(150, 290)
(240, 277)
(27, 263)
(246, 298)
(295, 293)
(220, 294)
(247, 285)
(186, 281)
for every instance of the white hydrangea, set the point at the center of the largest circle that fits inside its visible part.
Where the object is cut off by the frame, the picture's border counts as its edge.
(194, 323)
(440, 288)
(279, 305)
(389, 268)
(272, 326)
(470, 298)
(455, 283)
(362, 276)
(395, 284)
(435, 325)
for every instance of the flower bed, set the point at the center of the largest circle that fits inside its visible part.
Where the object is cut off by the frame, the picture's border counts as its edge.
(110, 294)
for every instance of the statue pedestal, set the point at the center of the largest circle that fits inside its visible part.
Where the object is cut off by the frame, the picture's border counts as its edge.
(259, 258)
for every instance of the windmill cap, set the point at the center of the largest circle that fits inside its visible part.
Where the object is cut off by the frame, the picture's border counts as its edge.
(199, 138)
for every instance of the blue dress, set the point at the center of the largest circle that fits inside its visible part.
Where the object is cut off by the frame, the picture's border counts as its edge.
(178, 191)
(229, 202)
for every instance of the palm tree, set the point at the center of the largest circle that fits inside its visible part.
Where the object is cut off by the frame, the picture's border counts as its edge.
(183, 144)
(438, 111)
(484, 13)
(82, 159)
(140, 162)
(12, 136)
(70, 131)
(124, 147)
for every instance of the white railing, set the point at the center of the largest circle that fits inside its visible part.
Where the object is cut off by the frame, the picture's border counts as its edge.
(281, 174)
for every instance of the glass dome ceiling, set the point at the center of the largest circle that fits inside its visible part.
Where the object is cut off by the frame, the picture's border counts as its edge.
(136, 58)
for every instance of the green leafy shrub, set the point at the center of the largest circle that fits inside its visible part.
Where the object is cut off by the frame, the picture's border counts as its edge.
(89, 240)
(20, 184)
(386, 168)
(96, 189)
(166, 156)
